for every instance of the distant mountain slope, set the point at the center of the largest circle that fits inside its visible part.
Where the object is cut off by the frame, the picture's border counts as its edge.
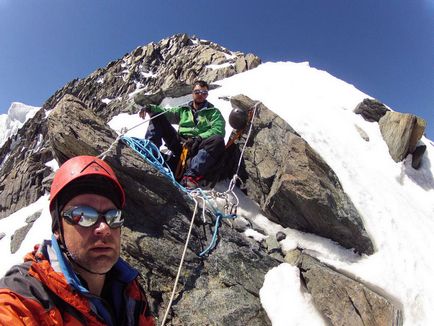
(18, 114)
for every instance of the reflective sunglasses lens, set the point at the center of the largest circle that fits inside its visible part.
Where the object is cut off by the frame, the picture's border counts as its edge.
(200, 92)
(87, 216)
(114, 218)
(82, 215)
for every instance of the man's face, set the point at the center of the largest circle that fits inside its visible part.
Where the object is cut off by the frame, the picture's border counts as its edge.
(199, 94)
(97, 247)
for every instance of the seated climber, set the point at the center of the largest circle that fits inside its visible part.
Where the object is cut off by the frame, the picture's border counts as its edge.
(201, 131)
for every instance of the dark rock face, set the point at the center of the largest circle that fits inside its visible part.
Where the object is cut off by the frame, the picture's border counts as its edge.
(163, 69)
(371, 110)
(401, 132)
(21, 233)
(222, 288)
(22, 168)
(344, 301)
(294, 186)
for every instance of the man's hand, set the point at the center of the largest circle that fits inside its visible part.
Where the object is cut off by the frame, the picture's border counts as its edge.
(144, 110)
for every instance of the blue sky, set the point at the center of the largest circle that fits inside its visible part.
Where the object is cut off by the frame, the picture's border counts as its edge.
(383, 47)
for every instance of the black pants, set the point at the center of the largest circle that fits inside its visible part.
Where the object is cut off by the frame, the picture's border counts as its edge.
(208, 153)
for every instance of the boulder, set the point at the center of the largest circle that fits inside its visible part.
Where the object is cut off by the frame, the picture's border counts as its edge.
(294, 186)
(371, 110)
(221, 288)
(401, 132)
(343, 300)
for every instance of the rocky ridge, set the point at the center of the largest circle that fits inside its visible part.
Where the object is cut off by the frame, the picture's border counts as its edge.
(150, 72)
(222, 288)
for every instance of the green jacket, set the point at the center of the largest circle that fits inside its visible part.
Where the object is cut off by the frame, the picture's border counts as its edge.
(210, 121)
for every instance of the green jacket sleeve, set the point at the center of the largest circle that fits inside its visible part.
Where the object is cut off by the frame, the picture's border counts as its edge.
(217, 125)
(172, 114)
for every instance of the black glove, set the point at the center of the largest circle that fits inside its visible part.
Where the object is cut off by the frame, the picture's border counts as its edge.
(193, 143)
(145, 109)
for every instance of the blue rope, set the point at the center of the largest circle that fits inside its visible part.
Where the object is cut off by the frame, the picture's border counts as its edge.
(213, 242)
(148, 151)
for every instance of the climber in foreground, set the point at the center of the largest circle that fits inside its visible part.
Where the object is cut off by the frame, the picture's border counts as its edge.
(201, 131)
(77, 277)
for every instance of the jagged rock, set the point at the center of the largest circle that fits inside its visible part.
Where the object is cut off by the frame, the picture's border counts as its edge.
(417, 156)
(20, 234)
(294, 186)
(221, 288)
(280, 236)
(401, 132)
(23, 166)
(272, 244)
(32, 218)
(241, 224)
(2, 235)
(371, 110)
(292, 257)
(344, 301)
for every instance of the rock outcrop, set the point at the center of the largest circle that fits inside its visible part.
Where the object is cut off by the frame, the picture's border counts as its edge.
(294, 186)
(221, 289)
(371, 110)
(23, 168)
(401, 132)
(343, 300)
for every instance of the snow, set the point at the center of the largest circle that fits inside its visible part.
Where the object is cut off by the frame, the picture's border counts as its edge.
(148, 74)
(106, 100)
(52, 164)
(395, 201)
(219, 66)
(10, 123)
(282, 284)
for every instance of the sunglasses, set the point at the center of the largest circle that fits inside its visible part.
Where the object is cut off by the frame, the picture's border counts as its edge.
(87, 216)
(201, 92)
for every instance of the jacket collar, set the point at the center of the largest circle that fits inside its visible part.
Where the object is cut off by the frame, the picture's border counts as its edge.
(121, 271)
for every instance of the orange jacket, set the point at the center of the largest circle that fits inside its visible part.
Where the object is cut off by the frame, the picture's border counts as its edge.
(34, 293)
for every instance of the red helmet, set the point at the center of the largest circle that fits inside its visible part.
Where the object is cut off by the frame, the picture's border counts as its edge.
(77, 168)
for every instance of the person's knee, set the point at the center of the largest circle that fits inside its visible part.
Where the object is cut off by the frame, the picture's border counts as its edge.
(214, 144)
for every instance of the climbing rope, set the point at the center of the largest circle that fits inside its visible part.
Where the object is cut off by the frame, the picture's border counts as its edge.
(151, 154)
(103, 155)
(181, 263)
